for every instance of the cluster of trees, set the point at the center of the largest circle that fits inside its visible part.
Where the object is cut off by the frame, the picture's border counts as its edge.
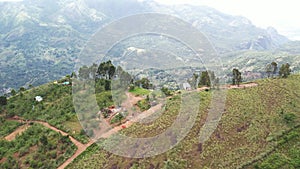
(272, 70)
(285, 70)
(206, 78)
(144, 83)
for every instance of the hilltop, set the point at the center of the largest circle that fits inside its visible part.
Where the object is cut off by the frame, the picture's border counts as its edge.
(260, 125)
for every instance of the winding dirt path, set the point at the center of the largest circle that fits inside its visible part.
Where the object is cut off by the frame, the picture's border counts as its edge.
(18, 131)
(80, 150)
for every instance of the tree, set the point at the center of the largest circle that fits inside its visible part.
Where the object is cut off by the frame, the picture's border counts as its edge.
(106, 70)
(144, 83)
(217, 83)
(22, 89)
(84, 72)
(193, 81)
(285, 70)
(13, 92)
(237, 77)
(73, 75)
(204, 79)
(275, 67)
(93, 70)
(3, 100)
(208, 78)
(269, 70)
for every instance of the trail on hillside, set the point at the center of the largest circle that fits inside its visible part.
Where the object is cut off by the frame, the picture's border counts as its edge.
(241, 86)
(18, 131)
(79, 151)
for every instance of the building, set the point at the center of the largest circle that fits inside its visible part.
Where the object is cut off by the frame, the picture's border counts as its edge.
(186, 86)
(38, 98)
(66, 83)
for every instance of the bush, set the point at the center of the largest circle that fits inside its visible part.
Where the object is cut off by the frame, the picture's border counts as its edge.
(289, 118)
(144, 105)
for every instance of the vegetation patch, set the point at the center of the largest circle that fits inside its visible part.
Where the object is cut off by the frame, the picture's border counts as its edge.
(137, 91)
(7, 127)
(144, 104)
(37, 147)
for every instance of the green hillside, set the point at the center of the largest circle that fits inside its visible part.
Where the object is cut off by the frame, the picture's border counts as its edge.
(257, 127)
(56, 107)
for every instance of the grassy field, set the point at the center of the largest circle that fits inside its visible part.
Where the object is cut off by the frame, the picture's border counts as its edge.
(37, 147)
(137, 91)
(254, 121)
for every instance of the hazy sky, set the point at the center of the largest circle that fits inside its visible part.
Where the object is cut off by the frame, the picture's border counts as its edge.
(284, 15)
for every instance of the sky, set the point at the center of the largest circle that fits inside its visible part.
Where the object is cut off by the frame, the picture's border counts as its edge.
(284, 15)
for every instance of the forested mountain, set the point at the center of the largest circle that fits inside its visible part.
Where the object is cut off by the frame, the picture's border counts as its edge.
(41, 39)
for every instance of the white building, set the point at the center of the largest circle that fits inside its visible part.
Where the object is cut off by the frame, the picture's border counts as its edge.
(38, 98)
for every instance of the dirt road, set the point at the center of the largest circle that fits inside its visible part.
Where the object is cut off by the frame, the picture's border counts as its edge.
(18, 131)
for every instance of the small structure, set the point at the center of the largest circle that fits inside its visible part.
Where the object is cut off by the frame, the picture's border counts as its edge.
(38, 98)
(66, 83)
(186, 86)
(55, 82)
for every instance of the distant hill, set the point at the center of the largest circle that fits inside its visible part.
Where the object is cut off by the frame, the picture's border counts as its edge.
(41, 39)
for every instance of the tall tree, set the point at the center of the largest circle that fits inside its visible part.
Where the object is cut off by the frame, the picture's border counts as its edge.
(13, 92)
(269, 70)
(207, 78)
(237, 77)
(285, 70)
(84, 72)
(106, 70)
(275, 67)
(193, 81)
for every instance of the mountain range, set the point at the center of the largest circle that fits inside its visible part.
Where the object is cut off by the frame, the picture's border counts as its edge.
(40, 40)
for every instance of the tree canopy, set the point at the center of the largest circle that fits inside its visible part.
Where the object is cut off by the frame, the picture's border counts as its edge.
(285, 70)
(237, 77)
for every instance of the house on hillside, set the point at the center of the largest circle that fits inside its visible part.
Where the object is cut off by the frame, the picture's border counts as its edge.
(186, 86)
(38, 98)
(66, 83)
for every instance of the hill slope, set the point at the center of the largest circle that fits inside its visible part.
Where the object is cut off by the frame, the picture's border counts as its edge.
(256, 122)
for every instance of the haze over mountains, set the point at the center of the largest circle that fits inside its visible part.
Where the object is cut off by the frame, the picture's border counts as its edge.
(41, 39)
